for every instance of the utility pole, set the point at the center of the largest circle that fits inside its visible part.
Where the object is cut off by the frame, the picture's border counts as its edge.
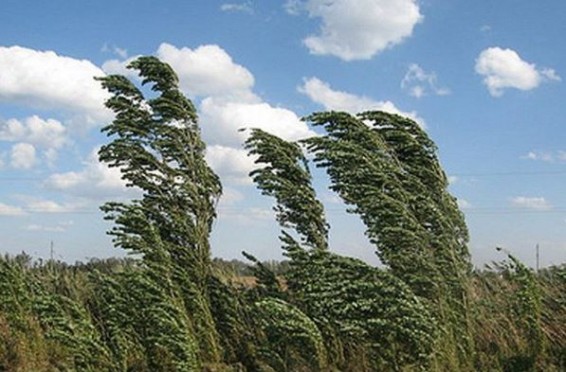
(538, 257)
(51, 250)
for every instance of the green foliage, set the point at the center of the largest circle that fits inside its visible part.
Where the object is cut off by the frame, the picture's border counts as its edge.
(234, 316)
(294, 341)
(157, 146)
(172, 308)
(366, 306)
(368, 309)
(552, 284)
(386, 168)
(266, 279)
(518, 302)
(286, 176)
(63, 327)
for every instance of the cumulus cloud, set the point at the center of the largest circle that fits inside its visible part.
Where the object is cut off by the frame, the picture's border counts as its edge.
(358, 29)
(222, 121)
(232, 163)
(42, 133)
(504, 69)
(118, 67)
(96, 181)
(46, 80)
(534, 203)
(49, 135)
(321, 93)
(23, 156)
(418, 83)
(209, 71)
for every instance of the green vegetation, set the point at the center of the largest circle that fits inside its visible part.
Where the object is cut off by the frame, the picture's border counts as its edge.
(174, 308)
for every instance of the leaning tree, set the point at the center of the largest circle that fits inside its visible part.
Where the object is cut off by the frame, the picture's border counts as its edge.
(156, 143)
(384, 167)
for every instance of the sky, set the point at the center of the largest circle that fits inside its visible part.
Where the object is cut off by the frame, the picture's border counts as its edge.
(485, 80)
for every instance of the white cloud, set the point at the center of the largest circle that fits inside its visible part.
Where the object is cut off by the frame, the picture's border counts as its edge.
(540, 155)
(47, 80)
(23, 156)
(420, 83)
(359, 29)
(222, 120)
(209, 71)
(237, 7)
(534, 203)
(49, 206)
(546, 156)
(42, 133)
(321, 92)
(49, 135)
(9, 210)
(230, 163)
(503, 69)
(203, 72)
(118, 67)
(96, 180)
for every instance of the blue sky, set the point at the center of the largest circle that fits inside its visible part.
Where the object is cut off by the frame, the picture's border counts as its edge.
(484, 78)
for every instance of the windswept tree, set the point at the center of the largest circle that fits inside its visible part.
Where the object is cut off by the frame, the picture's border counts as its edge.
(369, 317)
(285, 175)
(156, 143)
(386, 168)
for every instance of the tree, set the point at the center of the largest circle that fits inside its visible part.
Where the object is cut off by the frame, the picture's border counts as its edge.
(286, 176)
(369, 310)
(386, 168)
(156, 144)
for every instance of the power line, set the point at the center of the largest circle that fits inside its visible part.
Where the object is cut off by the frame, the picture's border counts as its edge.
(509, 173)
